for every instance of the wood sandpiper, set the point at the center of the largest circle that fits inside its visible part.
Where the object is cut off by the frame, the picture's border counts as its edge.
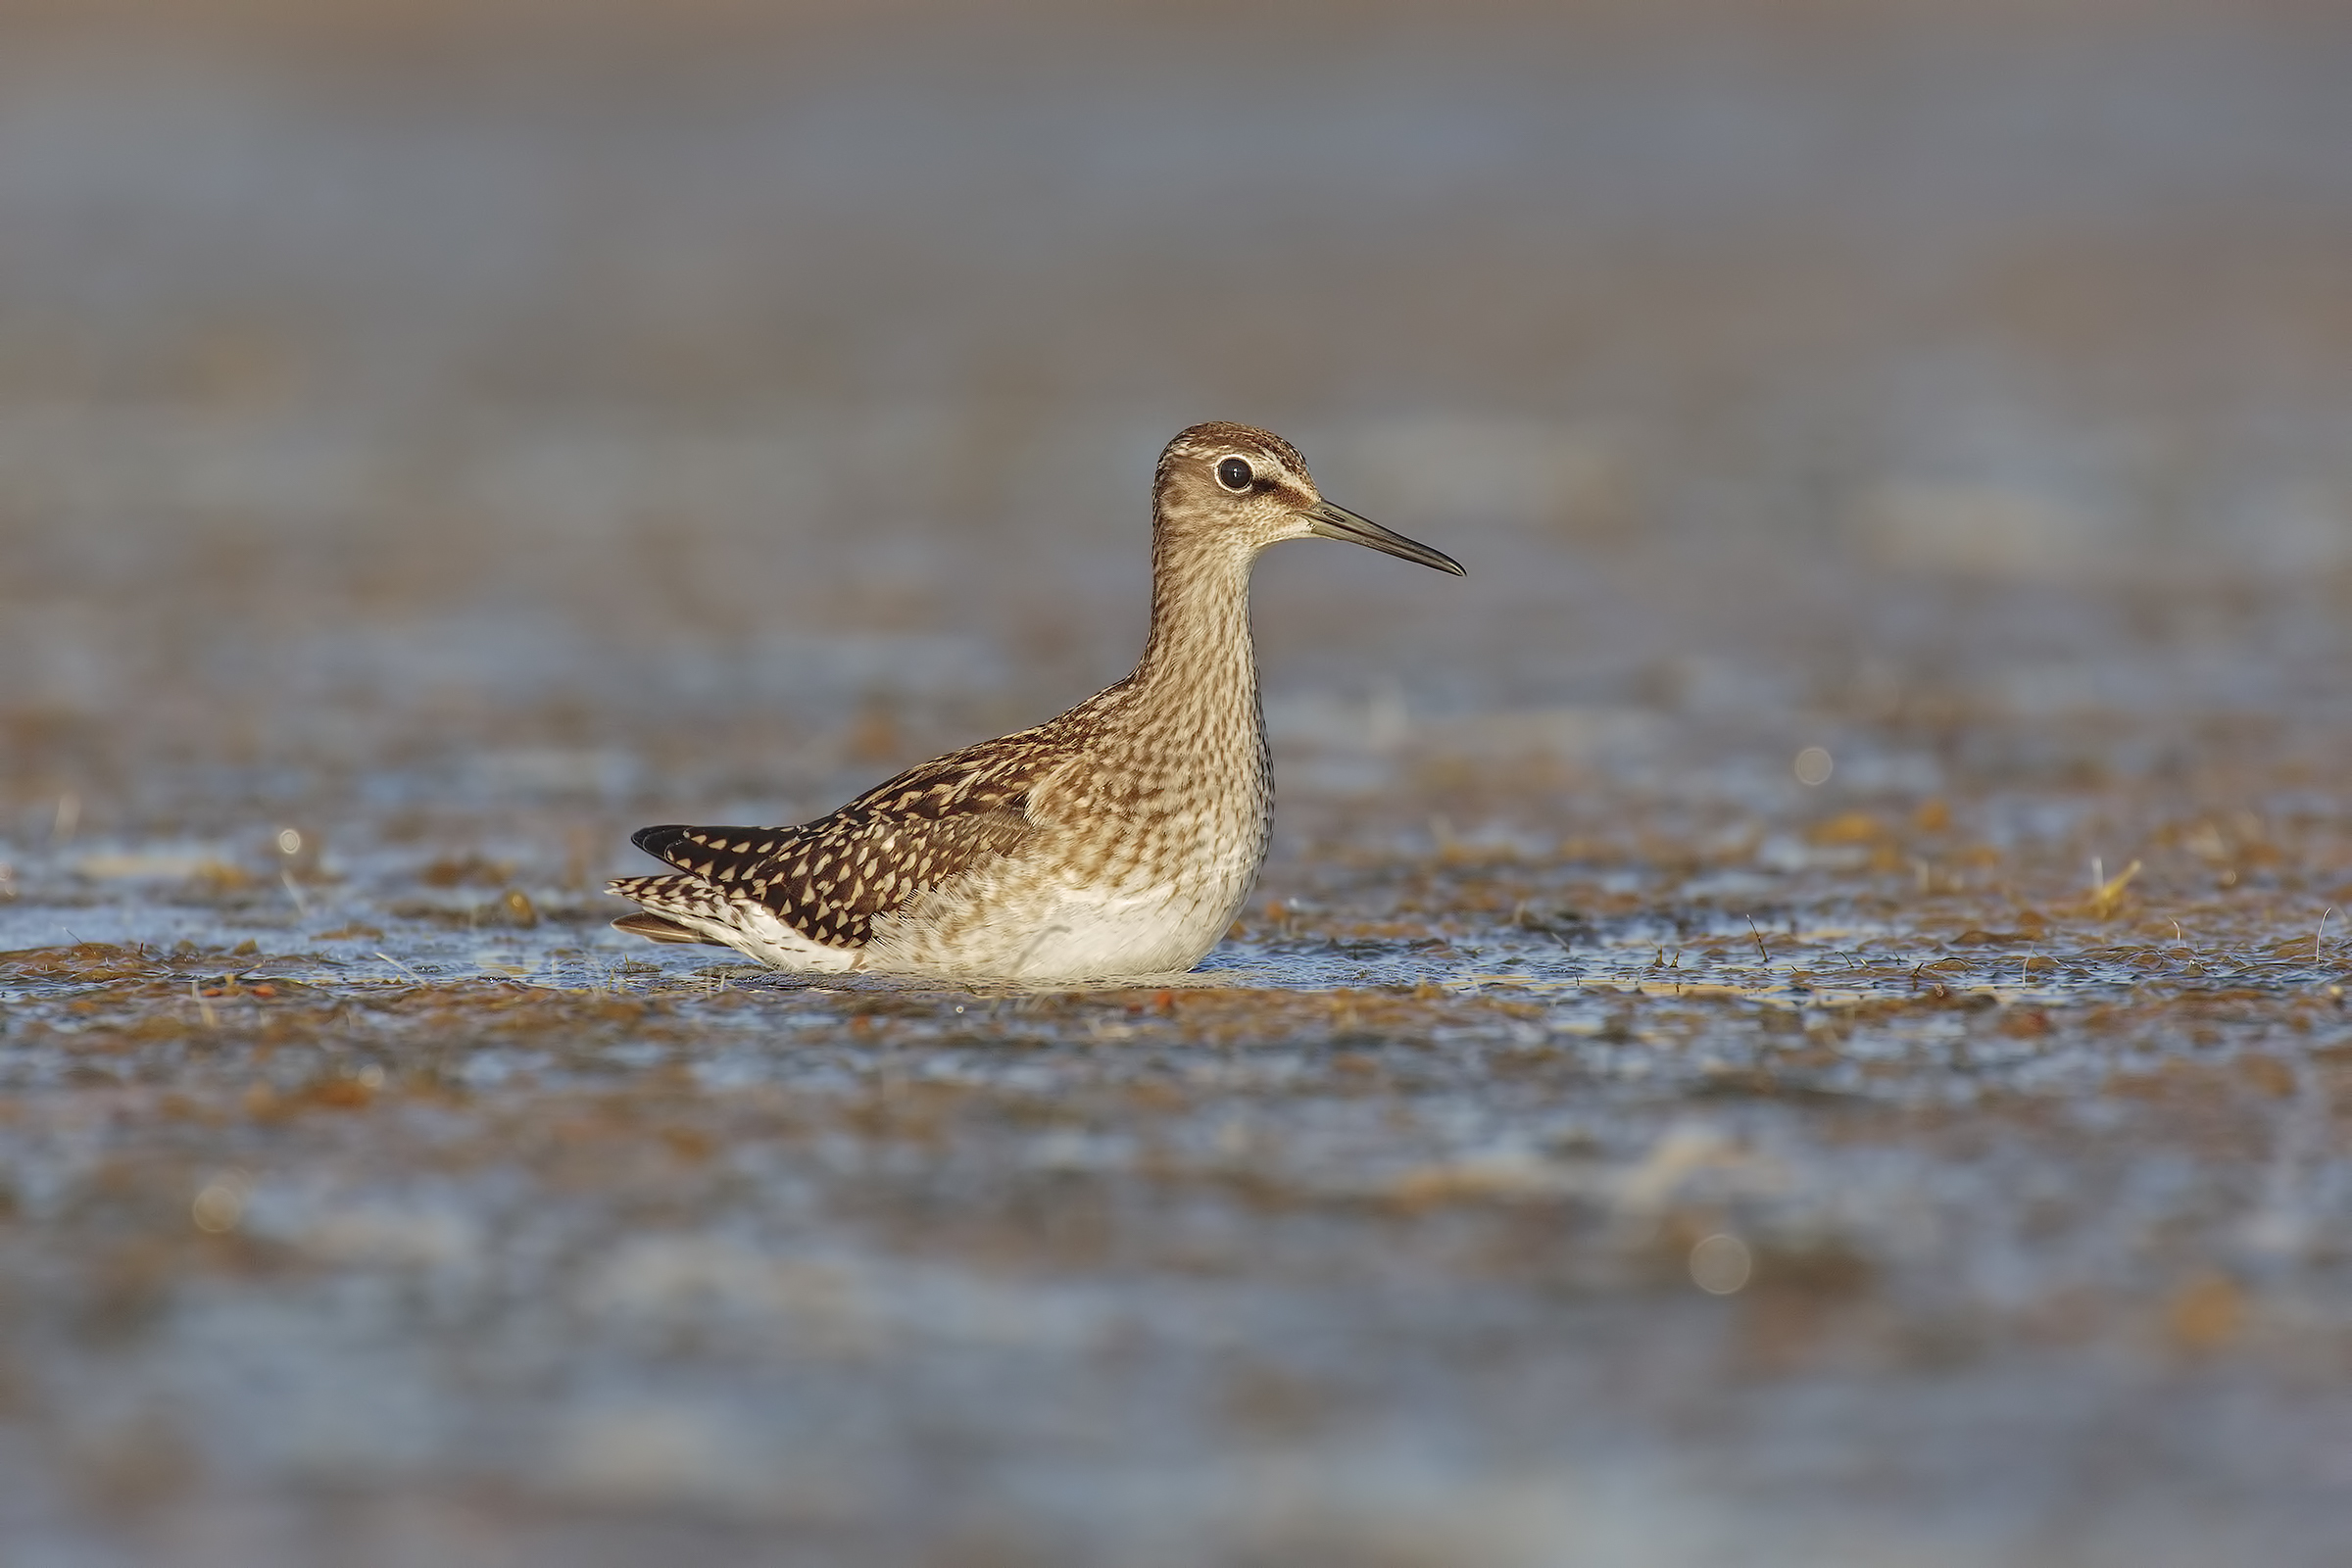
(1116, 841)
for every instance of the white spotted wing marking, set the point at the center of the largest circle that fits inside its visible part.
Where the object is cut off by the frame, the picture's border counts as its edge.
(802, 896)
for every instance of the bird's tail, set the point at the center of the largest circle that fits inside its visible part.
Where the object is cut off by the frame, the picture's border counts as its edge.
(684, 895)
(659, 928)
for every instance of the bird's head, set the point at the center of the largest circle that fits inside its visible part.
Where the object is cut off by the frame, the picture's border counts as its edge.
(1245, 488)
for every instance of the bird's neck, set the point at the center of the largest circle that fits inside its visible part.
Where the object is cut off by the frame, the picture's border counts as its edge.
(1199, 654)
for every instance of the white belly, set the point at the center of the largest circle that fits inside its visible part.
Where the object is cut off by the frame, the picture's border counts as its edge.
(1065, 933)
(1158, 932)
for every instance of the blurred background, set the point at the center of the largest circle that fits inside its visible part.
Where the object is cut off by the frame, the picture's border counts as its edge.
(454, 432)
(388, 378)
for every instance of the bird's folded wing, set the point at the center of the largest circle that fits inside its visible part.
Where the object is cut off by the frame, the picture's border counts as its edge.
(828, 879)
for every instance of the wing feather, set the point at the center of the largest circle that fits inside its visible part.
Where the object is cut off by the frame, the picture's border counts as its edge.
(831, 878)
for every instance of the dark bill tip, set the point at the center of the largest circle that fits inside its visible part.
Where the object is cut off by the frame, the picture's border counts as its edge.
(1337, 522)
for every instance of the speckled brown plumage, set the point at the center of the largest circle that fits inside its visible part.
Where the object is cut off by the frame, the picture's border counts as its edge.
(1117, 838)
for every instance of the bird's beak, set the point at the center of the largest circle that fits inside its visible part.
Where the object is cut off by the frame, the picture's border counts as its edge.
(1337, 522)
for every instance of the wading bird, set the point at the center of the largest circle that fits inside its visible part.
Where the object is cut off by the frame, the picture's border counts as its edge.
(1116, 841)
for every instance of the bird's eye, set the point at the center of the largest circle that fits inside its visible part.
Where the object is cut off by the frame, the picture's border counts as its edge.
(1234, 474)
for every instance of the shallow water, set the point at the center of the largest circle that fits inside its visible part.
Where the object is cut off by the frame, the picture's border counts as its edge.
(422, 462)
